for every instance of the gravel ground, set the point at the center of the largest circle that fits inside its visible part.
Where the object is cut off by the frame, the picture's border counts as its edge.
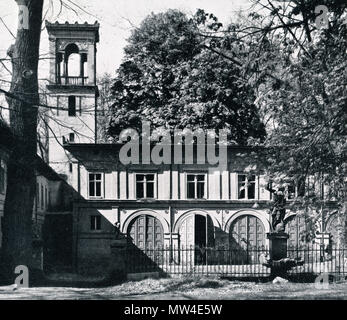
(182, 289)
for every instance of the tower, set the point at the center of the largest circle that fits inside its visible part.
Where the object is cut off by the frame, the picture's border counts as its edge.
(72, 89)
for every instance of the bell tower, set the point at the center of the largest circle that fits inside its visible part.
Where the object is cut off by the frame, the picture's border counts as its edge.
(72, 89)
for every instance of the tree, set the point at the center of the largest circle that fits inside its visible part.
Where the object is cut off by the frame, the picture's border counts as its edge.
(169, 78)
(104, 106)
(299, 72)
(22, 99)
(308, 138)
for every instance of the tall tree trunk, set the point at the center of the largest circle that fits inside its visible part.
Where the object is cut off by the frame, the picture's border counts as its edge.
(21, 188)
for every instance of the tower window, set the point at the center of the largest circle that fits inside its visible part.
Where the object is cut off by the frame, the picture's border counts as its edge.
(72, 138)
(72, 106)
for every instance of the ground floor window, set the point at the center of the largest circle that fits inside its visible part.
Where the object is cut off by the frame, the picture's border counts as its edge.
(95, 223)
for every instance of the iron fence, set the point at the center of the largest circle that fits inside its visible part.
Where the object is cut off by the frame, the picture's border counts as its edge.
(233, 262)
(319, 260)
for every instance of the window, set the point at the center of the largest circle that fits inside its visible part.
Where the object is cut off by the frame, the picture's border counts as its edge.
(70, 167)
(145, 186)
(95, 223)
(95, 185)
(246, 187)
(71, 137)
(196, 186)
(72, 106)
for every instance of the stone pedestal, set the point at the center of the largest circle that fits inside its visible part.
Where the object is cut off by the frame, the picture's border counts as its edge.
(278, 245)
(117, 269)
(278, 251)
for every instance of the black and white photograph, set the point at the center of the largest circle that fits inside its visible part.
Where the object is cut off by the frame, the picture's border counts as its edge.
(186, 152)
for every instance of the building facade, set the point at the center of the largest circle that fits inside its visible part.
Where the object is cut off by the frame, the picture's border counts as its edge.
(176, 206)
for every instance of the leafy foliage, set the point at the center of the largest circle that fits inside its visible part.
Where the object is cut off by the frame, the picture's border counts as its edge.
(302, 96)
(171, 79)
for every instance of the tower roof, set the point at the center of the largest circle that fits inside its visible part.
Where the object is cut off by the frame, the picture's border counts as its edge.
(54, 28)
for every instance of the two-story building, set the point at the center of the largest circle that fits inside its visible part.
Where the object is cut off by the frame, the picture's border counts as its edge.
(171, 206)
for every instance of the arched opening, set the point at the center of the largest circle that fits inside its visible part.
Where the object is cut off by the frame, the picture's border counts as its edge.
(197, 231)
(146, 232)
(71, 65)
(145, 236)
(196, 238)
(247, 239)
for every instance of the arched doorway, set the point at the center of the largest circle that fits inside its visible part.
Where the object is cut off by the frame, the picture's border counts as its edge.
(247, 239)
(196, 236)
(145, 244)
(146, 232)
(197, 231)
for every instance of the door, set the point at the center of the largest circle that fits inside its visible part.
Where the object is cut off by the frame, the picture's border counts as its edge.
(187, 241)
(187, 234)
(247, 239)
(196, 235)
(146, 240)
(146, 232)
(295, 227)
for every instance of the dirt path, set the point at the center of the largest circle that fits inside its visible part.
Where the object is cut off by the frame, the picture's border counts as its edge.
(182, 289)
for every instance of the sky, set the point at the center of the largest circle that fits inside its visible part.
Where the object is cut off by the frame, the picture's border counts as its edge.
(116, 17)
